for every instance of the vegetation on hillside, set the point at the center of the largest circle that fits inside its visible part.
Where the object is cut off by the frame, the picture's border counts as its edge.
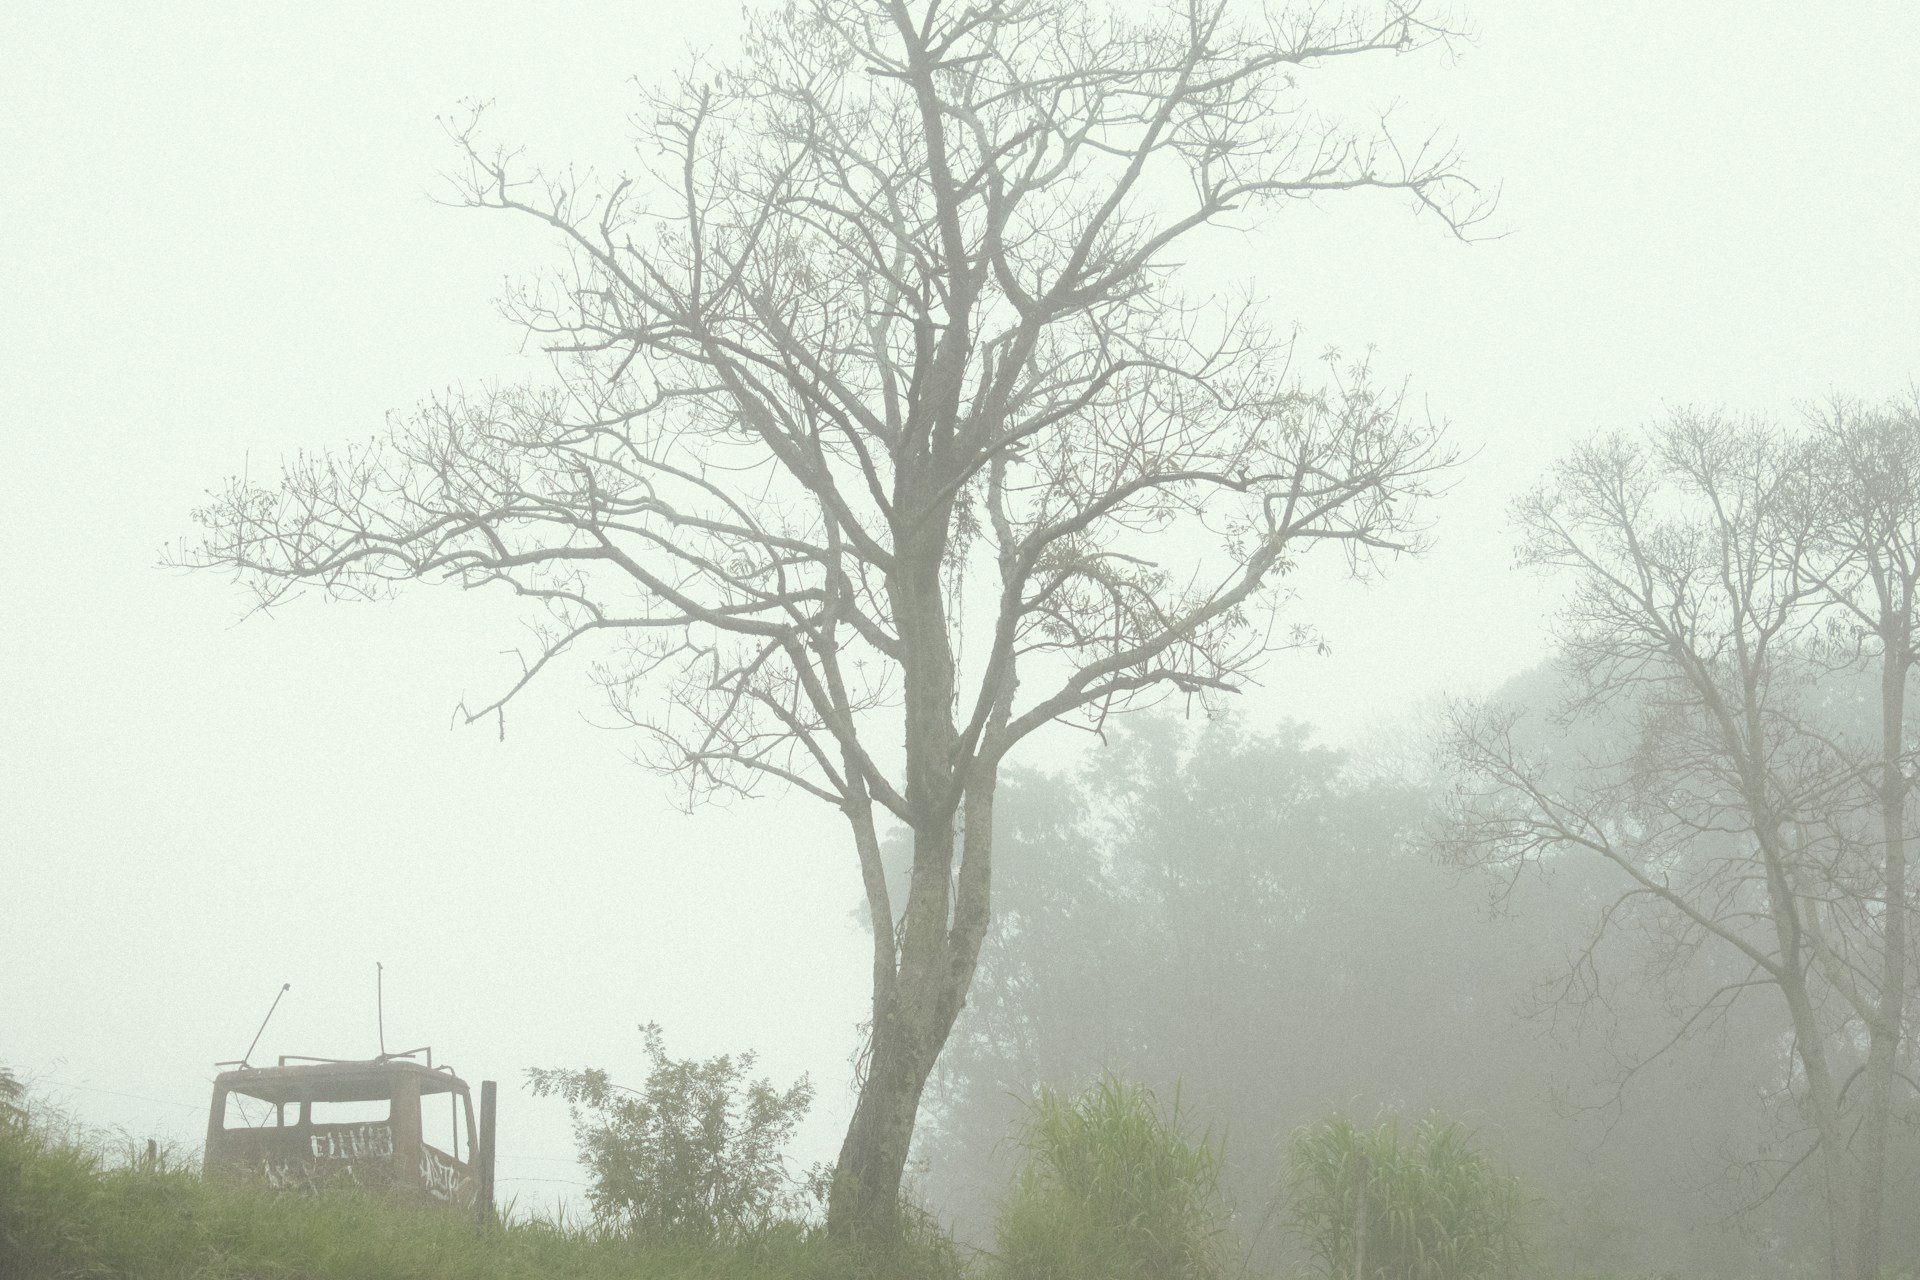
(1115, 1187)
(70, 1208)
(697, 1152)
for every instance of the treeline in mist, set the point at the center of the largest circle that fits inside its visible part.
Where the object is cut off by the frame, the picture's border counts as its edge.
(1257, 920)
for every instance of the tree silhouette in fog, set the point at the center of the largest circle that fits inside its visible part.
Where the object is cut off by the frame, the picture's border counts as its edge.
(880, 432)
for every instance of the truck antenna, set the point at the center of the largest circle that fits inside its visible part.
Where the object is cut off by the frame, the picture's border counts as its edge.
(284, 988)
(380, 1003)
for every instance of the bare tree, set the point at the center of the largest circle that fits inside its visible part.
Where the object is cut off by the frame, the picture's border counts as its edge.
(888, 337)
(1865, 468)
(1711, 566)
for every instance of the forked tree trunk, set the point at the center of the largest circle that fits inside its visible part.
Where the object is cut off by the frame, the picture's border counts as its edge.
(924, 967)
(915, 1006)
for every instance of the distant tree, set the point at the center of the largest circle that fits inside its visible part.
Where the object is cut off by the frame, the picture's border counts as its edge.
(1732, 586)
(1180, 907)
(698, 1151)
(889, 334)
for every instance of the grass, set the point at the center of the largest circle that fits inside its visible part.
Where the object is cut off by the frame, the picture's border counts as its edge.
(1434, 1208)
(70, 1208)
(1114, 1189)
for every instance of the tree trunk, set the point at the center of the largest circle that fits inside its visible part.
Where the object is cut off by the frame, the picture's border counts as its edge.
(1884, 1033)
(922, 972)
(1822, 1097)
(909, 1030)
(913, 1014)
(1823, 1102)
(1873, 1159)
(864, 1202)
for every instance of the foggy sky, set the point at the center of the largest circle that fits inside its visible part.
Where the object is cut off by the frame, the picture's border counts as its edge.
(218, 246)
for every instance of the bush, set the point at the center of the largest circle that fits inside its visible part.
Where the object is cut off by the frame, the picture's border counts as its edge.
(1434, 1208)
(696, 1153)
(1112, 1190)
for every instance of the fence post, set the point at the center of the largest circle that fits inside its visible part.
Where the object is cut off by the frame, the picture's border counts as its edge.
(489, 1091)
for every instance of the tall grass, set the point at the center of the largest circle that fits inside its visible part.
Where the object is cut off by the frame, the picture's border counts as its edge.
(69, 1209)
(1387, 1206)
(1113, 1189)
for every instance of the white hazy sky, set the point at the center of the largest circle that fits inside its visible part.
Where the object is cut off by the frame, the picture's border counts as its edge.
(217, 247)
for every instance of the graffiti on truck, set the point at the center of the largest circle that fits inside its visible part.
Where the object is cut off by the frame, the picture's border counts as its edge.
(360, 1142)
(443, 1179)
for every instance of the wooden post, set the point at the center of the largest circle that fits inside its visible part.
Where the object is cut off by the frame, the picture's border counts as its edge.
(489, 1092)
(153, 1155)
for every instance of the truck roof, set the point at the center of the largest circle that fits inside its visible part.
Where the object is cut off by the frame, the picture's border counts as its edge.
(336, 1081)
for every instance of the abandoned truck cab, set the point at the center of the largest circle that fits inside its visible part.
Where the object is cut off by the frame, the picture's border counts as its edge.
(388, 1122)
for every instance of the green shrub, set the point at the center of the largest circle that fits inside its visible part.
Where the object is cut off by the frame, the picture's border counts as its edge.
(696, 1153)
(1434, 1208)
(1112, 1190)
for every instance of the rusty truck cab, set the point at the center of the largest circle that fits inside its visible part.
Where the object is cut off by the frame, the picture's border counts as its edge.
(388, 1122)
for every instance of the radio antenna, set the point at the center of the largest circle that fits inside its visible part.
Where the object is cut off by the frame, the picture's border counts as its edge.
(284, 988)
(380, 1003)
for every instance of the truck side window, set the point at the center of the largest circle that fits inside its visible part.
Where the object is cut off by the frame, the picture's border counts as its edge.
(443, 1123)
(243, 1112)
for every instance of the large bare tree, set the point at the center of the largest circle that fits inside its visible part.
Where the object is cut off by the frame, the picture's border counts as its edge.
(1734, 588)
(887, 337)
